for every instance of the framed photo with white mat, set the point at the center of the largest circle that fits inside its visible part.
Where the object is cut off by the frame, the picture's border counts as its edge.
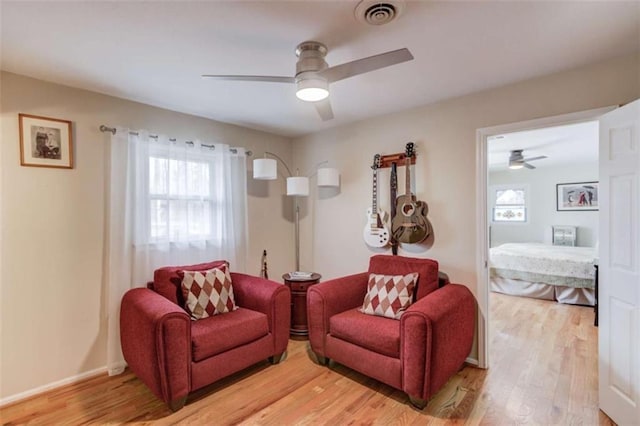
(576, 196)
(45, 142)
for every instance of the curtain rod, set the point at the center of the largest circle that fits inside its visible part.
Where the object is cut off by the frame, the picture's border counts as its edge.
(112, 130)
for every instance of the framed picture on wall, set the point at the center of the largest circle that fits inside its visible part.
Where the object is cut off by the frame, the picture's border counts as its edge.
(576, 196)
(45, 142)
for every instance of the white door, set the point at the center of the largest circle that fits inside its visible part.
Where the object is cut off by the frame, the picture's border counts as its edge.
(619, 288)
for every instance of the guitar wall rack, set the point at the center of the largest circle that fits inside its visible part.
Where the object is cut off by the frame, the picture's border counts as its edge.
(399, 159)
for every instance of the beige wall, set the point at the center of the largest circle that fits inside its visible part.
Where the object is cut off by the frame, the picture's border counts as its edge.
(445, 133)
(52, 312)
(541, 212)
(52, 319)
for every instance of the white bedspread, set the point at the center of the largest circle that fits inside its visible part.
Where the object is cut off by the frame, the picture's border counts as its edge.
(545, 259)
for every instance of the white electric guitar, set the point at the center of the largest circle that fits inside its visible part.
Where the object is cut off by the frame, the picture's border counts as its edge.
(376, 233)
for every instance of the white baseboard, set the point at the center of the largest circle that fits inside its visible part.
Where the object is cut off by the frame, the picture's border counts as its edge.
(54, 385)
(472, 361)
(117, 369)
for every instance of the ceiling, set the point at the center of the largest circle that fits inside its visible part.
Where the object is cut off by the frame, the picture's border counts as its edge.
(563, 145)
(155, 52)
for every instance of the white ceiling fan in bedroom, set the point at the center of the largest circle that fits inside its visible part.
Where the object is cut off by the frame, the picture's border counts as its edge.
(517, 161)
(313, 74)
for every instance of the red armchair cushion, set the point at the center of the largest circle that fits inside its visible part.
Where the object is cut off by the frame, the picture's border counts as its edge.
(214, 335)
(208, 293)
(389, 295)
(378, 334)
(427, 270)
(167, 280)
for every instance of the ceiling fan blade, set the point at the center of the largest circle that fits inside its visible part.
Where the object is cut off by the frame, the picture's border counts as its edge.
(324, 109)
(263, 78)
(528, 166)
(361, 66)
(535, 158)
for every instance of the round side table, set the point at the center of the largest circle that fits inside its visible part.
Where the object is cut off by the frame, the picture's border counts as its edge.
(299, 286)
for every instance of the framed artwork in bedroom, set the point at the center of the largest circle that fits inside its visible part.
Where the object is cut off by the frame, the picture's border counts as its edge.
(45, 142)
(577, 196)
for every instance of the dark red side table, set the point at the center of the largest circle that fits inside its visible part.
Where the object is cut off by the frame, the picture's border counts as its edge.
(299, 286)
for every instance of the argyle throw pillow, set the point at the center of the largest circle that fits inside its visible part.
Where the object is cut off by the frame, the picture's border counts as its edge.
(389, 295)
(208, 293)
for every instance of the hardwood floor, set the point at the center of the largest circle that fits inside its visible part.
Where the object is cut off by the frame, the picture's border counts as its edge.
(544, 371)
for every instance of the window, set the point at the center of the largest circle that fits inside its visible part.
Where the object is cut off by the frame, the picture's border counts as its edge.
(510, 204)
(190, 194)
(181, 202)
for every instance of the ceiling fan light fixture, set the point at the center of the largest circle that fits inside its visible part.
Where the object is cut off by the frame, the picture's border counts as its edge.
(313, 74)
(312, 89)
(516, 161)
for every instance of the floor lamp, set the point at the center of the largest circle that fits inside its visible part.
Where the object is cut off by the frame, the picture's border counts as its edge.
(297, 186)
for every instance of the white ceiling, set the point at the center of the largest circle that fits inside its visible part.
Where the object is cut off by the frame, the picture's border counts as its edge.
(155, 52)
(563, 145)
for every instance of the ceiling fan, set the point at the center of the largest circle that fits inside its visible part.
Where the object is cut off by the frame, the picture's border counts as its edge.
(313, 75)
(517, 161)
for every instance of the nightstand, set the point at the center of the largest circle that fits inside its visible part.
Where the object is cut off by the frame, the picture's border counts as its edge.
(299, 287)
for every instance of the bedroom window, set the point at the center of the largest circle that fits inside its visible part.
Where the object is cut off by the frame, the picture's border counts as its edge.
(510, 204)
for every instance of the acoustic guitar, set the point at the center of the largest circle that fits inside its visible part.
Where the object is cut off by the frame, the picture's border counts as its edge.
(376, 233)
(410, 224)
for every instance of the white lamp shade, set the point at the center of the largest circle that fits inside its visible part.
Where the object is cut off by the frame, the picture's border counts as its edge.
(298, 186)
(265, 169)
(328, 177)
(312, 89)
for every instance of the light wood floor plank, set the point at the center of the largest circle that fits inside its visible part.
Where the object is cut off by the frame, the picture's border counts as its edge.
(544, 371)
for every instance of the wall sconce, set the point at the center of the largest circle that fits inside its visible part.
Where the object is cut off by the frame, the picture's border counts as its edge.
(297, 186)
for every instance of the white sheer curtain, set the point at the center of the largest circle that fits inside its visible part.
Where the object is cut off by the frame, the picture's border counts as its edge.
(169, 203)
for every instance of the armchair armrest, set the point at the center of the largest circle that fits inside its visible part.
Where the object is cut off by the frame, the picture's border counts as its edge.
(156, 342)
(270, 298)
(436, 335)
(329, 298)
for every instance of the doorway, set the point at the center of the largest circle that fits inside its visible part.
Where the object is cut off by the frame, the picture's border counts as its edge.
(483, 204)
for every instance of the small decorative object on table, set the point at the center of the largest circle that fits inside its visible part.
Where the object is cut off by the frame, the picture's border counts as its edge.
(45, 142)
(299, 282)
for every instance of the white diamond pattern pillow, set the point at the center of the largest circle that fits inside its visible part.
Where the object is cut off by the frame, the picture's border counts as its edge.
(389, 295)
(208, 293)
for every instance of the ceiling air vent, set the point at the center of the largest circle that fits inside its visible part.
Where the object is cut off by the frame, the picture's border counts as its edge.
(378, 12)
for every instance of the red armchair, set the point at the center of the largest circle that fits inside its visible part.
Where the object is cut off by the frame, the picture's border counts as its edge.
(416, 354)
(174, 355)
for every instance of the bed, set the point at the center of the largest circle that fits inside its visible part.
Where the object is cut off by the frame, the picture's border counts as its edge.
(562, 273)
